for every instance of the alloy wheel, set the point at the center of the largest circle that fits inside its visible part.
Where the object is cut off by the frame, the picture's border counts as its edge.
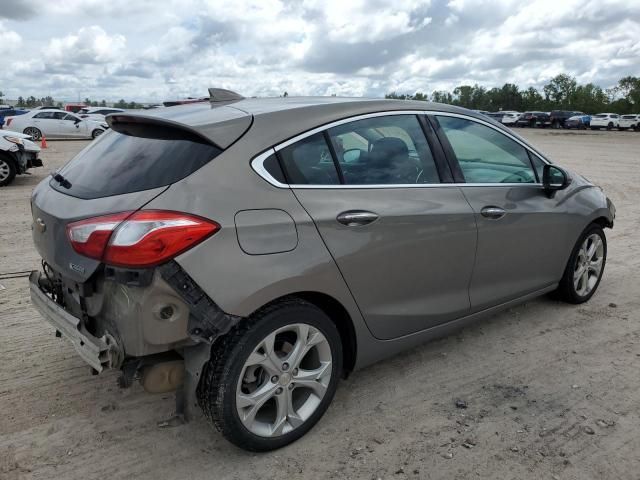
(33, 132)
(284, 380)
(588, 266)
(5, 170)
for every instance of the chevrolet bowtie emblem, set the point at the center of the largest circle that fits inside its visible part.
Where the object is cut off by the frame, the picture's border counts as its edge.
(40, 225)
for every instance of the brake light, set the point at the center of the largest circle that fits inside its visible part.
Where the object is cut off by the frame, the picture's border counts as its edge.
(142, 239)
(9, 120)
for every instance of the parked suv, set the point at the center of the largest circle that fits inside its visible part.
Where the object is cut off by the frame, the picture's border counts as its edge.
(534, 119)
(250, 252)
(629, 122)
(558, 117)
(606, 120)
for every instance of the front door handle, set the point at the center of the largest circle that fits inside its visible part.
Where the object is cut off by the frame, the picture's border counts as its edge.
(355, 218)
(493, 212)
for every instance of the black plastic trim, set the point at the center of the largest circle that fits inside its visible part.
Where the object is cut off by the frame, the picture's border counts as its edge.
(456, 171)
(444, 169)
(207, 321)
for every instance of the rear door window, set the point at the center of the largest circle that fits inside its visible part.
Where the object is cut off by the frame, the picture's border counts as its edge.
(117, 163)
(388, 150)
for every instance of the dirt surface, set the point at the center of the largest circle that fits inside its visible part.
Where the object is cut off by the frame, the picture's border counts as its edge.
(552, 391)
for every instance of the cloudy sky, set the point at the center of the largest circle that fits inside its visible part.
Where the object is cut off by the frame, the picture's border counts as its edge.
(154, 50)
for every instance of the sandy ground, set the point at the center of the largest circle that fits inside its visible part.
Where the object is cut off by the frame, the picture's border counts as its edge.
(553, 391)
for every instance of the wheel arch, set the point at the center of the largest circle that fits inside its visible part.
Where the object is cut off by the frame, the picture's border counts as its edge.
(338, 314)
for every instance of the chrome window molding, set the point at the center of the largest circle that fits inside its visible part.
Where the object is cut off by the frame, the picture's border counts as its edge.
(258, 162)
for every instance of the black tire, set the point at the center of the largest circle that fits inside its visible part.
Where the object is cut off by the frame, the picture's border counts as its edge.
(566, 289)
(609, 126)
(217, 388)
(35, 133)
(8, 170)
(96, 133)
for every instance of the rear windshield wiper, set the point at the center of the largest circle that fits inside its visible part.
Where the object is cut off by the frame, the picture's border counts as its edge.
(61, 180)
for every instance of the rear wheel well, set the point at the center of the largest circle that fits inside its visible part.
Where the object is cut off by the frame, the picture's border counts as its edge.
(339, 316)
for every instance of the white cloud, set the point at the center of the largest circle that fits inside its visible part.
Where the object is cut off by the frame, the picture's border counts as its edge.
(89, 45)
(9, 40)
(146, 50)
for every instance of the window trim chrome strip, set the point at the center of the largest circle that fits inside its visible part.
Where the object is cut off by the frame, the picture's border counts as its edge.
(257, 163)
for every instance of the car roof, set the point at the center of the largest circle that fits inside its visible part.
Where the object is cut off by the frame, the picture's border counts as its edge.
(272, 119)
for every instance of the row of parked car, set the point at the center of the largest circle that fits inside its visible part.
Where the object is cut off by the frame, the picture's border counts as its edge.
(58, 123)
(566, 119)
(20, 129)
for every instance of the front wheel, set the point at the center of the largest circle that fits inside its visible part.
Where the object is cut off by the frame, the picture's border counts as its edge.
(273, 377)
(7, 171)
(96, 133)
(585, 267)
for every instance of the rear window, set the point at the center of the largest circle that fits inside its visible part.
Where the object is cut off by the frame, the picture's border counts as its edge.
(600, 115)
(117, 163)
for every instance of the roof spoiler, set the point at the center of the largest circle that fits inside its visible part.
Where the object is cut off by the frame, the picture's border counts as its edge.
(220, 96)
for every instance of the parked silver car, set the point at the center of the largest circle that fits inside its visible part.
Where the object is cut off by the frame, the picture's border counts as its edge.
(250, 252)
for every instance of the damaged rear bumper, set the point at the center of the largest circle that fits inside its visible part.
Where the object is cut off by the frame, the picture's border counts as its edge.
(97, 352)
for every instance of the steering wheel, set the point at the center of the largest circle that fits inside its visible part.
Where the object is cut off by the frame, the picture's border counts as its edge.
(518, 177)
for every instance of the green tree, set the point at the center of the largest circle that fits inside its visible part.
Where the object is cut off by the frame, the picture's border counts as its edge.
(442, 96)
(21, 102)
(560, 90)
(532, 99)
(121, 104)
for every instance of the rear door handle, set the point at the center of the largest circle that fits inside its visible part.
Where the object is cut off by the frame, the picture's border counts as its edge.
(493, 212)
(355, 218)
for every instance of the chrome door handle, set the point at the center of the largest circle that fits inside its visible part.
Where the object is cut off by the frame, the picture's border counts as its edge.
(354, 218)
(493, 212)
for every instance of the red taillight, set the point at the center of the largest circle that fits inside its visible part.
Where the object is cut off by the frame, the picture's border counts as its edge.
(142, 239)
(9, 120)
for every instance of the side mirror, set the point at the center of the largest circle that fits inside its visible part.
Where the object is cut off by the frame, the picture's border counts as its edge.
(554, 178)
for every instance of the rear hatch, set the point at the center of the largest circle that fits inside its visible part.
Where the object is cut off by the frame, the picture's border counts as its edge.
(122, 171)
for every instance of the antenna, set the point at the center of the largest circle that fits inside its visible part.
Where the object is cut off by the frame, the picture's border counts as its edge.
(221, 96)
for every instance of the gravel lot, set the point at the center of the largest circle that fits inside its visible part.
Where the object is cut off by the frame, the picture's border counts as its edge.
(552, 390)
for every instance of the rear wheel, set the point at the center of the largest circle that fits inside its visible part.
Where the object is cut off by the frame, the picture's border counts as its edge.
(585, 267)
(609, 126)
(8, 170)
(33, 132)
(273, 377)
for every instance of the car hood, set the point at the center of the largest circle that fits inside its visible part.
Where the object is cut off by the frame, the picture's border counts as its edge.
(10, 133)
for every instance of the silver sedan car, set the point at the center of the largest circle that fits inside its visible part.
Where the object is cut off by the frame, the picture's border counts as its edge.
(250, 252)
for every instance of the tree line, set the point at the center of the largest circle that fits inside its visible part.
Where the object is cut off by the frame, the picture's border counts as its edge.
(48, 101)
(561, 93)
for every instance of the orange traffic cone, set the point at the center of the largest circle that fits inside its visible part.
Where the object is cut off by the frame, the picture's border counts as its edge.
(43, 143)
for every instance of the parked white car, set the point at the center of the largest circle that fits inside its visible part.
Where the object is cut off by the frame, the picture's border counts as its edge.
(606, 120)
(97, 113)
(17, 154)
(55, 124)
(510, 117)
(631, 122)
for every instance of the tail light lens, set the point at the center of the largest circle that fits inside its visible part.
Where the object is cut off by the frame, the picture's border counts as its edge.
(9, 120)
(139, 239)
